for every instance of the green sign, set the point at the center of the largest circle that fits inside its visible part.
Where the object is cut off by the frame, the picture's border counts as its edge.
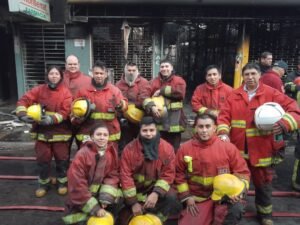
(38, 9)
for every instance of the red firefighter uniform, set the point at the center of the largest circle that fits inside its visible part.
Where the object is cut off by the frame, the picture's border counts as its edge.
(93, 179)
(106, 101)
(136, 93)
(76, 81)
(194, 176)
(140, 177)
(207, 97)
(260, 148)
(51, 140)
(173, 89)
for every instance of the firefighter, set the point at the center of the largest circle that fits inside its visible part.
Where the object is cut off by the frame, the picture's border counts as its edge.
(134, 87)
(198, 162)
(107, 100)
(93, 178)
(262, 149)
(273, 77)
(172, 87)
(75, 80)
(147, 170)
(51, 131)
(210, 96)
(292, 88)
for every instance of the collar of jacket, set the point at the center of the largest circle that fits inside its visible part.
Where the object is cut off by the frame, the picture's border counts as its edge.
(169, 78)
(219, 85)
(93, 147)
(203, 144)
(72, 75)
(93, 88)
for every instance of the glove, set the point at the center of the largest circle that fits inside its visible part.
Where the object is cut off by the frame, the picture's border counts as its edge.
(290, 87)
(46, 120)
(26, 119)
(119, 107)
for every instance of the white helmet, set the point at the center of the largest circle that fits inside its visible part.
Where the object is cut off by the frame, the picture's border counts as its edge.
(267, 115)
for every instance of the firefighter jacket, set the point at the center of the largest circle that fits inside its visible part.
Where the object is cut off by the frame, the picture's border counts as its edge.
(173, 89)
(92, 178)
(237, 120)
(140, 177)
(107, 102)
(207, 97)
(136, 93)
(272, 79)
(292, 89)
(56, 103)
(76, 81)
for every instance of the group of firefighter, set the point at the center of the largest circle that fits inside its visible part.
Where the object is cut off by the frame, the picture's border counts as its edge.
(131, 166)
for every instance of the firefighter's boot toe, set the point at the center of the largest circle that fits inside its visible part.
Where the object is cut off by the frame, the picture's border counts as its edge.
(40, 192)
(266, 221)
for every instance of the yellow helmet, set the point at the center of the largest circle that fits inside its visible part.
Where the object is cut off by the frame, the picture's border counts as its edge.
(35, 112)
(147, 219)
(160, 103)
(80, 107)
(133, 114)
(105, 220)
(227, 184)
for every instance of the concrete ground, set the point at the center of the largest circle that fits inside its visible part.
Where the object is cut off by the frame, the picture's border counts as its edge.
(15, 141)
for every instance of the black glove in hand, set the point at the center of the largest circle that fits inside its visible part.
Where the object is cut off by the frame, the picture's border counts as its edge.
(46, 120)
(26, 119)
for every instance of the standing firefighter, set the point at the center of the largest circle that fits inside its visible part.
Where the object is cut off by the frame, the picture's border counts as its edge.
(93, 178)
(204, 166)
(147, 170)
(172, 88)
(210, 96)
(50, 128)
(135, 88)
(261, 148)
(104, 100)
(292, 88)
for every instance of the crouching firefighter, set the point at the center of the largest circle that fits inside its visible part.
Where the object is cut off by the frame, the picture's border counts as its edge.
(204, 166)
(47, 107)
(93, 178)
(147, 170)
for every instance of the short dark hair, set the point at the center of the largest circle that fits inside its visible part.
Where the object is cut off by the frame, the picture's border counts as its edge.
(59, 69)
(166, 61)
(147, 120)
(249, 66)
(130, 64)
(212, 67)
(204, 116)
(99, 124)
(100, 64)
(265, 55)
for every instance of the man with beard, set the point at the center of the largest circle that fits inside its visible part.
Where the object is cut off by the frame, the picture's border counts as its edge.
(265, 62)
(261, 149)
(172, 87)
(107, 100)
(134, 87)
(147, 170)
(198, 162)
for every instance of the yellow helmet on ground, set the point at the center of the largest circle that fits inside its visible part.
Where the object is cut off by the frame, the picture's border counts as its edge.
(80, 107)
(133, 114)
(35, 112)
(147, 219)
(105, 220)
(160, 103)
(227, 184)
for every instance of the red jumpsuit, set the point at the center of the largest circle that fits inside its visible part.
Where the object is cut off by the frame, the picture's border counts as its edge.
(136, 94)
(260, 148)
(140, 177)
(93, 179)
(173, 89)
(76, 81)
(51, 140)
(207, 97)
(106, 100)
(209, 159)
(272, 79)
